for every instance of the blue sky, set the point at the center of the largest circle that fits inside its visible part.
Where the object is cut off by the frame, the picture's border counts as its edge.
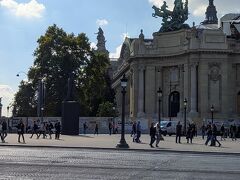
(22, 22)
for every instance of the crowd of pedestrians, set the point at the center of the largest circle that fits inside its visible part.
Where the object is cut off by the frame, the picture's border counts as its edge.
(46, 129)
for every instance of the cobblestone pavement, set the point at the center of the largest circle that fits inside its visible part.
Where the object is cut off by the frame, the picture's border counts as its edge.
(55, 163)
(107, 141)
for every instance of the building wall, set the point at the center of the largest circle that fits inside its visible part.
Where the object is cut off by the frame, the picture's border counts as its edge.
(203, 66)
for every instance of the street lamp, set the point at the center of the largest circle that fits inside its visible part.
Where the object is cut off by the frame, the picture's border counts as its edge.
(185, 116)
(159, 93)
(41, 97)
(123, 143)
(212, 110)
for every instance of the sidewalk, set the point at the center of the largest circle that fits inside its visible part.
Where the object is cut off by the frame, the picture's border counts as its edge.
(105, 141)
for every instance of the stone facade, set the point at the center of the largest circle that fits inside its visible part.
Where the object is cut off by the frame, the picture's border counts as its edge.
(199, 64)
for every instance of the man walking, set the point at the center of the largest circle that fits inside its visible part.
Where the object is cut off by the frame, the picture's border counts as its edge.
(110, 126)
(234, 131)
(85, 127)
(152, 134)
(178, 132)
(96, 129)
(34, 129)
(4, 130)
(214, 136)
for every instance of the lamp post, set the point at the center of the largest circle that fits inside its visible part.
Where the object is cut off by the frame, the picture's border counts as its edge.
(41, 98)
(123, 143)
(159, 93)
(185, 116)
(212, 110)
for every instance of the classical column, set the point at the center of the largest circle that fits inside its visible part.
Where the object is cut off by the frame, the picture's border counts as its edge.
(150, 93)
(193, 110)
(134, 89)
(181, 80)
(140, 91)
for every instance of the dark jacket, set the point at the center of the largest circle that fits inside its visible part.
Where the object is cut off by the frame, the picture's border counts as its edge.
(20, 128)
(152, 131)
(178, 129)
(4, 126)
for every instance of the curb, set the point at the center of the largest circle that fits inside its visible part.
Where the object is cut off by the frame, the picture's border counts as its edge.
(119, 149)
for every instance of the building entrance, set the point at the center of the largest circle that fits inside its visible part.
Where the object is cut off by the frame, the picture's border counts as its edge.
(174, 104)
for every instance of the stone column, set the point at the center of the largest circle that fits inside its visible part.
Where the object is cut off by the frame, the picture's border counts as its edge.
(150, 93)
(134, 89)
(193, 110)
(181, 85)
(140, 91)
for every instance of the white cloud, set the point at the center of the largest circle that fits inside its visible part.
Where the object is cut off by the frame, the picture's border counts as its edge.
(102, 22)
(200, 11)
(7, 95)
(116, 54)
(32, 9)
(93, 45)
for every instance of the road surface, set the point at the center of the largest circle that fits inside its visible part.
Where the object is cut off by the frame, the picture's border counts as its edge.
(52, 163)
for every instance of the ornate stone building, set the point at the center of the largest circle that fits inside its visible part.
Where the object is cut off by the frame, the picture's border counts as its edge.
(200, 64)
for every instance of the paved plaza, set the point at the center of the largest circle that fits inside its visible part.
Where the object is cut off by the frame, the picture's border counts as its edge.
(105, 141)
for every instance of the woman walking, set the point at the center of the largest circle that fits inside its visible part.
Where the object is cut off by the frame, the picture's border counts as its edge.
(158, 134)
(20, 128)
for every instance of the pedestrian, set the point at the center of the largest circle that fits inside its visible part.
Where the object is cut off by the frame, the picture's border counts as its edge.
(190, 133)
(4, 131)
(96, 129)
(152, 134)
(110, 126)
(85, 127)
(139, 129)
(34, 129)
(58, 130)
(116, 128)
(178, 132)
(209, 134)
(214, 136)
(231, 131)
(222, 132)
(158, 134)
(134, 129)
(234, 132)
(203, 128)
(20, 129)
(42, 130)
(50, 129)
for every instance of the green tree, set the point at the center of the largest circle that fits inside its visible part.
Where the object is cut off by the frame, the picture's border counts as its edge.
(25, 100)
(95, 84)
(106, 109)
(58, 54)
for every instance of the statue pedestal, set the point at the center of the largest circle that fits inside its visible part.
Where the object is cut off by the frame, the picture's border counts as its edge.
(70, 117)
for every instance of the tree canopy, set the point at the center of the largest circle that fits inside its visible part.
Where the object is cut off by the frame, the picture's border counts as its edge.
(58, 55)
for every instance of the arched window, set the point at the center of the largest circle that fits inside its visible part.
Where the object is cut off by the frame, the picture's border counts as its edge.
(174, 104)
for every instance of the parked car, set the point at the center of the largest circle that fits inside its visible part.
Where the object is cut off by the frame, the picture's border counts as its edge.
(168, 127)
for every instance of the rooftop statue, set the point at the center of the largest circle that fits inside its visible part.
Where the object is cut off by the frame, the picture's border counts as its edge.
(172, 20)
(101, 41)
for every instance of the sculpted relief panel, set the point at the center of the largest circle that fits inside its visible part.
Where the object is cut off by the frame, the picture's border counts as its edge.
(215, 85)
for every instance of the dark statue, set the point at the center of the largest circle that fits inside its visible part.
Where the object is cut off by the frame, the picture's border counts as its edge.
(172, 20)
(70, 88)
